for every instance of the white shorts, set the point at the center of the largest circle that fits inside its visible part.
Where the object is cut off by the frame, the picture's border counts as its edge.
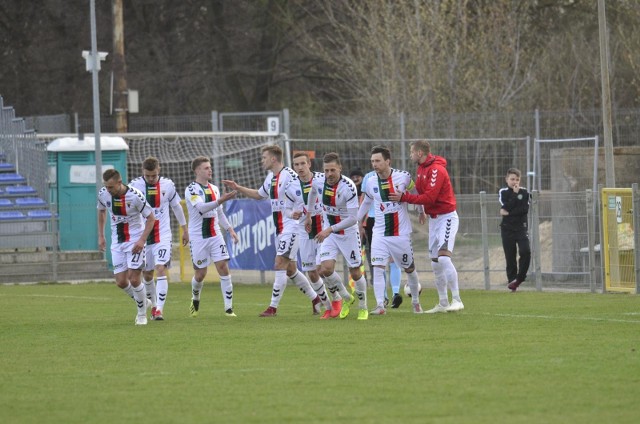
(287, 245)
(309, 253)
(158, 254)
(206, 251)
(398, 248)
(123, 259)
(442, 233)
(347, 244)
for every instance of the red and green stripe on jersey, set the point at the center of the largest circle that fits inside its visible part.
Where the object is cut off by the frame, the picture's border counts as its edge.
(152, 194)
(119, 207)
(208, 227)
(391, 220)
(278, 219)
(329, 195)
(316, 220)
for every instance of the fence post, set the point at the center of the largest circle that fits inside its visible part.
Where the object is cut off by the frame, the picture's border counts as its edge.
(403, 149)
(214, 121)
(286, 122)
(599, 206)
(54, 241)
(590, 240)
(535, 232)
(485, 239)
(635, 199)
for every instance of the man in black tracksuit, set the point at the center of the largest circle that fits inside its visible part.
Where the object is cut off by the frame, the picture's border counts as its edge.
(514, 207)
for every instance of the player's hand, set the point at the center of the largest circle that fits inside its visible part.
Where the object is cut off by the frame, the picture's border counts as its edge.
(296, 215)
(504, 212)
(226, 196)
(102, 244)
(322, 235)
(422, 218)
(230, 184)
(516, 188)
(137, 248)
(234, 235)
(185, 238)
(307, 224)
(395, 197)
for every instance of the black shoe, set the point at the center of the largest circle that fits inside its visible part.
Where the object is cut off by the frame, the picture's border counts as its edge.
(397, 301)
(386, 301)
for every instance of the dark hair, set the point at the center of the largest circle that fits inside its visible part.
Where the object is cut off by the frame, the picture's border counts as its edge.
(514, 171)
(198, 161)
(111, 174)
(332, 157)
(386, 153)
(302, 154)
(356, 171)
(151, 163)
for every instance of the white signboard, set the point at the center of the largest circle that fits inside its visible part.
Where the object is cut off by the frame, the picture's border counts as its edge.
(85, 174)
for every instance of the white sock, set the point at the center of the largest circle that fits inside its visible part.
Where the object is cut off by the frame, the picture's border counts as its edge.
(451, 276)
(332, 287)
(303, 284)
(150, 288)
(279, 285)
(412, 278)
(361, 292)
(196, 288)
(129, 290)
(140, 296)
(341, 288)
(441, 283)
(227, 291)
(318, 287)
(379, 285)
(162, 288)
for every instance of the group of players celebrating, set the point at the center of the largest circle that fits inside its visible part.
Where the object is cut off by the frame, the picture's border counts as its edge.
(317, 215)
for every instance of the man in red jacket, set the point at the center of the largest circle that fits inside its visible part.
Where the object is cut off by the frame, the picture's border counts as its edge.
(435, 194)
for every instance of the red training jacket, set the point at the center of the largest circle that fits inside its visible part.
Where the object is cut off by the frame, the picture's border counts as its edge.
(435, 192)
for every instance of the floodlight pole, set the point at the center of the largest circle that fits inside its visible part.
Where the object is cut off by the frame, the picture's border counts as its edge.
(606, 96)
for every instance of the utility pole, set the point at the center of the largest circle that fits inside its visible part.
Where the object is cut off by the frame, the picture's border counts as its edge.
(606, 96)
(119, 69)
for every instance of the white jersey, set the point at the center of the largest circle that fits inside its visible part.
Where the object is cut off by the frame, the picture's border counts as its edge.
(159, 196)
(315, 211)
(282, 190)
(336, 200)
(391, 218)
(126, 214)
(202, 225)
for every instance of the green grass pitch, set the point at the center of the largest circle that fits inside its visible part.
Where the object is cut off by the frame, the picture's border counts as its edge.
(71, 354)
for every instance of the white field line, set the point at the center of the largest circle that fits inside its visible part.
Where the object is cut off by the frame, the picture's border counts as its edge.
(57, 297)
(563, 318)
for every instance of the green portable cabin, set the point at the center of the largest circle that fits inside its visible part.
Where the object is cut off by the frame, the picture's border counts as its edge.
(72, 172)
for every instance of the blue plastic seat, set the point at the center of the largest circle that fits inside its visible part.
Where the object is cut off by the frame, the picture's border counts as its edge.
(6, 167)
(9, 215)
(11, 178)
(39, 214)
(30, 201)
(5, 203)
(25, 189)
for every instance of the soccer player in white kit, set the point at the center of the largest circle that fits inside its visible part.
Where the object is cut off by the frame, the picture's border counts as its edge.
(206, 216)
(160, 193)
(129, 231)
(309, 248)
(340, 234)
(392, 228)
(280, 184)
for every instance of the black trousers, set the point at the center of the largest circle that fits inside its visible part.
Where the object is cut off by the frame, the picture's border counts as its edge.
(514, 242)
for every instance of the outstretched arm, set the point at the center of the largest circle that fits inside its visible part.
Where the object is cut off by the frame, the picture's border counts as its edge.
(249, 192)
